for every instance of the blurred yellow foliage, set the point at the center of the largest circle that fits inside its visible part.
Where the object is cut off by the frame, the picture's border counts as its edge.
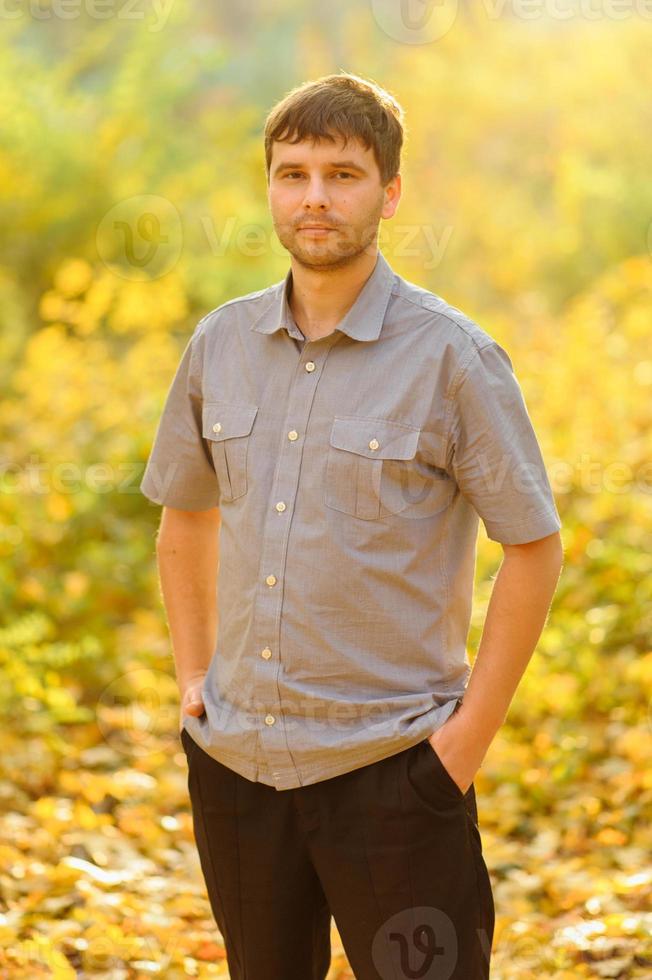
(133, 190)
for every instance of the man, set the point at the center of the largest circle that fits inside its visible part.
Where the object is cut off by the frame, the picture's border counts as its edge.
(326, 450)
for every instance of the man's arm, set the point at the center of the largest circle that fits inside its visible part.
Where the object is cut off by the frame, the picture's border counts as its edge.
(187, 553)
(517, 611)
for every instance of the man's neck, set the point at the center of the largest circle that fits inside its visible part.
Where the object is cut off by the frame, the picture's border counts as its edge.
(320, 299)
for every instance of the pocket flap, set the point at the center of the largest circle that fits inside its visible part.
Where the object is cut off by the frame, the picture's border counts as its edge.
(375, 438)
(226, 420)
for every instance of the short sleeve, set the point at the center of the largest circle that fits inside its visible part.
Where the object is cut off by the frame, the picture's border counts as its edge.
(179, 472)
(493, 452)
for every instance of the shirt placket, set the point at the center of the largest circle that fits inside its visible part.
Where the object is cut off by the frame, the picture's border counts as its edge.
(270, 596)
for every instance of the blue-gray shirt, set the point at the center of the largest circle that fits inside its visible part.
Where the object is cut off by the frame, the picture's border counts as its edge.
(350, 473)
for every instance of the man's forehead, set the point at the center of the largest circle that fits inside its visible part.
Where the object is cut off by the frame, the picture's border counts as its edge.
(320, 147)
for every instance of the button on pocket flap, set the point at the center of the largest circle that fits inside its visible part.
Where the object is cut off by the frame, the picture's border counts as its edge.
(226, 420)
(375, 438)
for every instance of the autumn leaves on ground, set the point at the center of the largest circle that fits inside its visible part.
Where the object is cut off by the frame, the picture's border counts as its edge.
(527, 203)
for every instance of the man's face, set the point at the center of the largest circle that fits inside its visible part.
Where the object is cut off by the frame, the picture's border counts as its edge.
(336, 185)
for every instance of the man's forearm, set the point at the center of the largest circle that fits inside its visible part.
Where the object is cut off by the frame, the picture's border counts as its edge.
(517, 611)
(516, 614)
(187, 551)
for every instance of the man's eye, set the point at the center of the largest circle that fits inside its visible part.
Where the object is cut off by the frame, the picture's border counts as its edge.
(340, 173)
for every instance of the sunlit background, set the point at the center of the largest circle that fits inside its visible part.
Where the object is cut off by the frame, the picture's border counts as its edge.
(133, 199)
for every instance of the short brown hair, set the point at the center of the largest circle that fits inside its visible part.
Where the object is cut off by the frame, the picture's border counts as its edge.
(345, 104)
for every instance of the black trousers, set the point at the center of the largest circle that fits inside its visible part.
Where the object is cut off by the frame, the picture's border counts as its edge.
(391, 850)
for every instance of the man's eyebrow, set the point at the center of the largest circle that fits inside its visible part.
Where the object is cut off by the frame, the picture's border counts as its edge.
(342, 164)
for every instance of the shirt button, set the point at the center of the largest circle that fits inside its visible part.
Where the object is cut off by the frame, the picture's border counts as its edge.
(217, 427)
(266, 653)
(310, 365)
(269, 719)
(271, 579)
(293, 434)
(374, 444)
(280, 506)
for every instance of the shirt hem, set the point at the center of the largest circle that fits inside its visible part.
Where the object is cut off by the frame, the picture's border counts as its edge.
(288, 780)
(529, 530)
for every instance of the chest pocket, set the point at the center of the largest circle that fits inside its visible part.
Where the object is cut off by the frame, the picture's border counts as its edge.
(227, 429)
(368, 466)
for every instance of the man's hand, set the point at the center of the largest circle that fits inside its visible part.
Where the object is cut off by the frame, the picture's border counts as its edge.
(192, 702)
(459, 749)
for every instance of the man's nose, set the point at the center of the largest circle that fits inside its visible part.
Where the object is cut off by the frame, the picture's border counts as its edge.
(316, 194)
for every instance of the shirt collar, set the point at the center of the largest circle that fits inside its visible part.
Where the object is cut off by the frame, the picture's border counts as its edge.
(363, 321)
